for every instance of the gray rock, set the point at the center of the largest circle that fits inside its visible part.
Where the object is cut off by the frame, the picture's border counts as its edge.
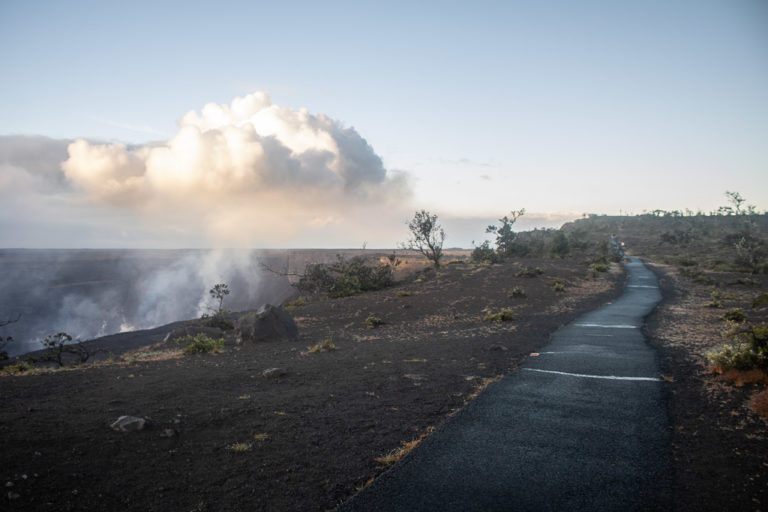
(130, 424)
(268, 323)
(273, 373)
(168, 432)
(498, 347)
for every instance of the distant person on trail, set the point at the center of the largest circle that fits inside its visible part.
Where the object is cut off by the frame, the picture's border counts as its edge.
(616, 247)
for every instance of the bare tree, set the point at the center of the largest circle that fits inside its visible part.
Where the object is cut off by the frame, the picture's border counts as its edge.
(427, 236)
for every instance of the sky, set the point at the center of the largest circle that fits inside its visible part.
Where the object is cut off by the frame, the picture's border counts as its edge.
(327, 124)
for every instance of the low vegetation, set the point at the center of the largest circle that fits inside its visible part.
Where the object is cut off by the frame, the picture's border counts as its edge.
(199, 344)
(372, 321)
(503, 315)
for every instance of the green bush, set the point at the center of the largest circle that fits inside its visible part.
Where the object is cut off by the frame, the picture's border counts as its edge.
(559, 247)
(760, 300)
(749, 350)
(735, 315)
(503, 315)
(483, 253)
(558, 284)
(220, 319)
(403, 293)
(345, 277)
(373, 321)
(19, 367)
(199, 344)
(517, 293)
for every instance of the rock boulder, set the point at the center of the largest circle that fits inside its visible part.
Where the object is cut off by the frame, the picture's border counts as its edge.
(268, 323)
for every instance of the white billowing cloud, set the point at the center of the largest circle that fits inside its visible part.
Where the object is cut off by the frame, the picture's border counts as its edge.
(251, 166)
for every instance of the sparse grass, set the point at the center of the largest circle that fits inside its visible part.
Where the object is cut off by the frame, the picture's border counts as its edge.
(717, 299)
(263, 436)
(240, 447)
(747, 281)
(403, 293)
(557, 284)
(759, 402)
(326, 346)
(373, 321)
(530, 272)
(517, 293)
(200, 344)
(735, 315)
(503, 315)
(397, 454)
(292, 305)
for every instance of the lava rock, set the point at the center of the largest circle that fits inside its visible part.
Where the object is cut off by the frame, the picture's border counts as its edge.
(130, 424)
(268, 323)
(273, 373)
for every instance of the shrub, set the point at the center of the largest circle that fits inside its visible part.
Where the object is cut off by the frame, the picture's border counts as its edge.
(505, 237)
(760, 300)
(738, 356)
(345, 277)
(326, 346)
(735, 315)
(747, 281)
(559, 247)
(427, 236)
(529, 272)
(56, 345)
(503, 315)
(220, 319)
(558, 284)
(403, 293)
(373, 321)
(483, 253)
(199, 344)
(19, 367)
(517, 293)
(718, 298)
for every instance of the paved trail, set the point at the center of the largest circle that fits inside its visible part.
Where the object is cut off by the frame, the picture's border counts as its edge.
(582, 426)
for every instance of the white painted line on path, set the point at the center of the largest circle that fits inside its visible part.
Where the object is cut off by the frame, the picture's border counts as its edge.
(608, 377)
(600, 335)
(640, 286)
(619, 326)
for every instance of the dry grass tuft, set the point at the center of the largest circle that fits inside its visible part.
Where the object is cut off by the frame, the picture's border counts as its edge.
(741, 377)
(240, 447)
(759, 402)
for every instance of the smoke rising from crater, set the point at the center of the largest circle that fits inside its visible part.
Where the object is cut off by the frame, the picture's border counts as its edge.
(245, 172)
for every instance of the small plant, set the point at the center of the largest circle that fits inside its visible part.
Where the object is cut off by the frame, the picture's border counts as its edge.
(295, 304)
(403, 293)
(760, 300)
(199, 344)
(326, 346)
(702, 278)
(749, 350)
(517, 293)
(530, 272)
(240, 447)
(717, 299)
(373, 321)
(20, 367)
(261, 437)
(557, 284)
(503, 315)
(735, 315)
(747, 281)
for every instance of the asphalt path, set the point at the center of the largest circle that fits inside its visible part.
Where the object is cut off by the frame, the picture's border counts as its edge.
(581, 426)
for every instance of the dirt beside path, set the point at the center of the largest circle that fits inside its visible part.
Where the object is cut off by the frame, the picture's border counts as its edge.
(224, 437)
(720, 445)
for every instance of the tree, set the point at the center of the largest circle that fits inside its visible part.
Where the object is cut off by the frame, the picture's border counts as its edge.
(427, 236)
(559, 247)
(218, 292)
(505, 237)
(7, 339)
(59, 343)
